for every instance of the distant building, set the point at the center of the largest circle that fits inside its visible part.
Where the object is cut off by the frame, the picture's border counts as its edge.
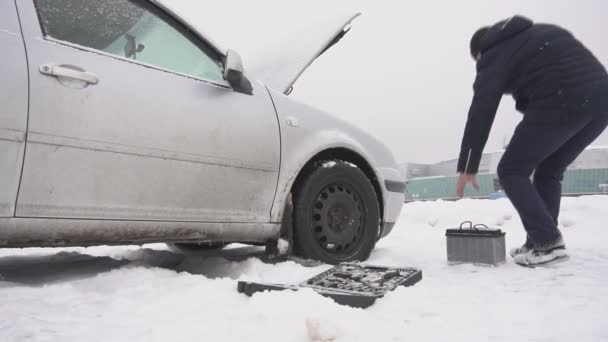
(587, 175)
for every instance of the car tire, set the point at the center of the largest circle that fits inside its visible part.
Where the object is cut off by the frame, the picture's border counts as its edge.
(194, 248)
(336, 214)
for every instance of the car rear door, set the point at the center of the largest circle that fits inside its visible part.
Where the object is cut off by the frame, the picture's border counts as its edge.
(131, 119)
(13, 104)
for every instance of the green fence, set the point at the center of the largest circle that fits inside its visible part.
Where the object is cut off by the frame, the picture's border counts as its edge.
(589, 181)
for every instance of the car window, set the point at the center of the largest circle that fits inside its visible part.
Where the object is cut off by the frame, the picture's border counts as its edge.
(134, 29)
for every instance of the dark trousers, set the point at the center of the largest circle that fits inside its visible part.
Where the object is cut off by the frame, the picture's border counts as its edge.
(545, 149)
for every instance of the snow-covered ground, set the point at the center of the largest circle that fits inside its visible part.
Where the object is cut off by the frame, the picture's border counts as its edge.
(150, 294)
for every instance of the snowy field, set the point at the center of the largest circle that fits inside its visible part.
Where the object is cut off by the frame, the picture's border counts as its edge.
(150, 294)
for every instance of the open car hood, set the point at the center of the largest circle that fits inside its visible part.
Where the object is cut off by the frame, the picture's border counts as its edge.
(291, 57)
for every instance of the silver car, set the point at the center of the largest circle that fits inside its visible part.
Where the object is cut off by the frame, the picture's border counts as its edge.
(123, 124)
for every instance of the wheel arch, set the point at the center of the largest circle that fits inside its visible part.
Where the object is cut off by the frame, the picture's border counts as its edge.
(343, 154)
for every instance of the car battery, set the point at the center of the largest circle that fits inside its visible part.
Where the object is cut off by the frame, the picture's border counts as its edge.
(476, 244)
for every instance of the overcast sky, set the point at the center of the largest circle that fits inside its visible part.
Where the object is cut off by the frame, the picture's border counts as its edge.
(403, 73)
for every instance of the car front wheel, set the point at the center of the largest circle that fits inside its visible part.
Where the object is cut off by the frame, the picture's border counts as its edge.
(336, 214)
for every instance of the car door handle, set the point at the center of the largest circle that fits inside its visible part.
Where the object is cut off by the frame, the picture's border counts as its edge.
(62, 71)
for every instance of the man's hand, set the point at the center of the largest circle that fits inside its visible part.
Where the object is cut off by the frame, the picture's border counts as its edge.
(463, 180)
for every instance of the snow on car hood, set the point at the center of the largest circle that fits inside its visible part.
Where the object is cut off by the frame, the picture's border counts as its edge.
(293, 55)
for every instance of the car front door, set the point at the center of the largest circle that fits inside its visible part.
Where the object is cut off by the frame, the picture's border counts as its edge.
(13, 106)
(130, 119)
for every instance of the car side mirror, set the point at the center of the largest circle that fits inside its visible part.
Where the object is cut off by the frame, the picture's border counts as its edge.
(234, 73)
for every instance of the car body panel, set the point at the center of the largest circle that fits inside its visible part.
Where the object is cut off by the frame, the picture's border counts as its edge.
(154, 145)
(14, 99)
(19, 232)
(307, 131)
(283, 65)
(105, 165)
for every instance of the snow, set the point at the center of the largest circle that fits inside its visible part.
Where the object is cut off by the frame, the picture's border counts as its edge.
(283, 246)
(150, 294)
(329, 164)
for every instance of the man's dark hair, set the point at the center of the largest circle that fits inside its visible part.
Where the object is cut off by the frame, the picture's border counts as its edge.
(477, 39)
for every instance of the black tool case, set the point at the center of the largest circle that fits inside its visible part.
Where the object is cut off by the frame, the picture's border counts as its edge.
(351, 284)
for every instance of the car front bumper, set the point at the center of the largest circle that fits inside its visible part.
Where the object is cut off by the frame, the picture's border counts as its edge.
(393, 188)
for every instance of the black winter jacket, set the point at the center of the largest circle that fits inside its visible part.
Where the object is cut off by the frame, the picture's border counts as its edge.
(549, 73)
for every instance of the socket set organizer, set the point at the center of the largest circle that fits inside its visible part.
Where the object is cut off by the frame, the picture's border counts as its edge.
(350, 284)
